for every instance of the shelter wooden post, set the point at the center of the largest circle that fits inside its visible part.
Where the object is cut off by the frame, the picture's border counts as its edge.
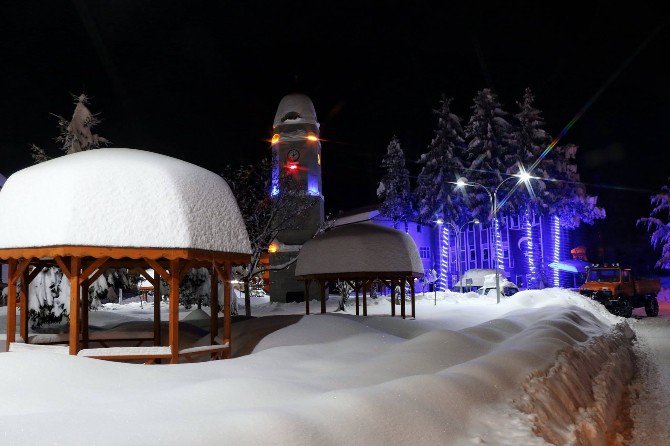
(306, 296)
(84, 313)
(75, 304)
(411, 288)
(322, 290)
(23, 306)
(157, 309)
(174, 311)
(357, 303)
(392, 297)
(213, 305)
(227, 290)
(402, 297)
(365, 298)
(11, 302)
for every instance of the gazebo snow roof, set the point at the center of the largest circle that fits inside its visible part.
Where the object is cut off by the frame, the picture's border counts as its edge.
(359, 250)
(120, 198)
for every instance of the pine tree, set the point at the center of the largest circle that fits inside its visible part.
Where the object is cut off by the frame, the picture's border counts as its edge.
(658, 223)
(487, 135)
(442, 165)
(527, 141)
(394, 188)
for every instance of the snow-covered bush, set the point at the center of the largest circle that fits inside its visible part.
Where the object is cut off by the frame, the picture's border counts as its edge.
(49, 301)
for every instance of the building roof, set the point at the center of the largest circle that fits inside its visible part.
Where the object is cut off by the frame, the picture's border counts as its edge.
(120, 198)
(359, 249)
(295, 109)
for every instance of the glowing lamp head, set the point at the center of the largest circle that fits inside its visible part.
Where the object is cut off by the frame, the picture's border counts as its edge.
(275, 138)
(312, 137)
(273, 247)
(476, 221)
(462, 182)
(439, 222)
(292, 167)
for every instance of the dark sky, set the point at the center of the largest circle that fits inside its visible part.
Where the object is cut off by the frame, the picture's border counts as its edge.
(201, 81)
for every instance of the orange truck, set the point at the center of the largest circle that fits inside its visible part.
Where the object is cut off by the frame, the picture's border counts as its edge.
(620, 292)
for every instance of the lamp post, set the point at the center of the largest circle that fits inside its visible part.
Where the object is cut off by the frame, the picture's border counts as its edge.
(522, 177)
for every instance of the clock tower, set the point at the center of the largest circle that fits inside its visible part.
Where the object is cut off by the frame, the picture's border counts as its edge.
(297, 151)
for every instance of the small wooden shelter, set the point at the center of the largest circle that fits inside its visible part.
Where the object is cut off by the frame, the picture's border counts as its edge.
(361, 254)
(189, 219)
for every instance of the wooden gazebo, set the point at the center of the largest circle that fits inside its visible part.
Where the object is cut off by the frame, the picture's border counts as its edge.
(190, 220)
(361, 254)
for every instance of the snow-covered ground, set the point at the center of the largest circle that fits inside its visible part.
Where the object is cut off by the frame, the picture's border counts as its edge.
(466, 371)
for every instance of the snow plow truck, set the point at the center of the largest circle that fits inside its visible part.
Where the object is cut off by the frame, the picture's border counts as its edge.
(617, 289)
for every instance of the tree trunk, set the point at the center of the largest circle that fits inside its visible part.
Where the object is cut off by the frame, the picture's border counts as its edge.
(247, 298)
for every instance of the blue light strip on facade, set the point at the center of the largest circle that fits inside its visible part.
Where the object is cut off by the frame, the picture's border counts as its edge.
(557, 248)
(530, 253)
(499, 248)
(274, 189)
(444, 259)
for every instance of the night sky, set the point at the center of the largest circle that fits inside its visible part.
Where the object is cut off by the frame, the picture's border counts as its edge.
(203, 82)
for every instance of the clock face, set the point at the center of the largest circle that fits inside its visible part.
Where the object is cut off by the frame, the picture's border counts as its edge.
(293, 155)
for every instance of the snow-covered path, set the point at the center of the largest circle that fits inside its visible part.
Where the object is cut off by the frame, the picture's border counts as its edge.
(651, 411)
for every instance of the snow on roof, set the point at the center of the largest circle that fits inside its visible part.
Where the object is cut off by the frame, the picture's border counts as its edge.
(360, 247)
(120, 198)
(295, 109)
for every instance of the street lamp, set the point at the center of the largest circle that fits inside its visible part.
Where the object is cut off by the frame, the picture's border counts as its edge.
(522, 177)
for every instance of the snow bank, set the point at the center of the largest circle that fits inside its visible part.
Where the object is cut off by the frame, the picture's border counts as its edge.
(361, 247)
(341, 379)
(182, 205)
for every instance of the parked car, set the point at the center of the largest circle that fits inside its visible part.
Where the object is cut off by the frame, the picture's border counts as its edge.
(620, 292)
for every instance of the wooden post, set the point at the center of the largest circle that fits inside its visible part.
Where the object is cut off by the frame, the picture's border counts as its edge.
(11, 302)
(392, 298)
(158, 340)
(23, 306)
(227, 289)
(307, 296)
(411, 288)
(357, 289)
(322, 289)
(213, 305)
(75, 304)
(402, 297)
(174, 311)
(84, 313)
(365, 299)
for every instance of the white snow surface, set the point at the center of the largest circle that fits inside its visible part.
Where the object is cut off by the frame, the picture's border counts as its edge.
(120, 198)
(360, 247)
(296, 103)
(544, 365)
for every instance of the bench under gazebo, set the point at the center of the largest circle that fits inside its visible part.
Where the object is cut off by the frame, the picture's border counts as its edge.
(361, 254)
(120, 208)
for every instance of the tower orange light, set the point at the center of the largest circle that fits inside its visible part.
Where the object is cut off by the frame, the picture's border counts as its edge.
(312, 137)
(273, 247)
(275, 138)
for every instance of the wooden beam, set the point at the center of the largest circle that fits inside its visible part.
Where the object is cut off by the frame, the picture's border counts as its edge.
(63, 266)
(393, 298)
(75, 305)
(23, 305)
(357, 288)
(97, 264)
(174, 311)
(158, 268)
(227, 289)
(402, 297)
(38, 268)
(84, 311)
(306, 296)
(213, 304)
(411, 288)
(365, 299)
(185, 268)
(22, 267)
(11, 302)
(143, 272)
(157, 309)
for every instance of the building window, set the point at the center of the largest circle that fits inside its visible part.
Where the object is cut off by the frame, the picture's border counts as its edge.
(424, 252)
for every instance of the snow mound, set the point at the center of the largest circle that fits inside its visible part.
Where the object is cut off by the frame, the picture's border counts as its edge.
(120, 198)
(295, 109)
(361, 247)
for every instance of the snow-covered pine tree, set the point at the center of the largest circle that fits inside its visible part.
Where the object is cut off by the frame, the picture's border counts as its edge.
(658, 223)
(76, 134)
(487, 136)
(526, 142)
(442, 166)
(394, 188)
